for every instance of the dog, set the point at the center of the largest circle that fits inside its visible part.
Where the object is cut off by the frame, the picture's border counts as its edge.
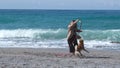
(79, 48)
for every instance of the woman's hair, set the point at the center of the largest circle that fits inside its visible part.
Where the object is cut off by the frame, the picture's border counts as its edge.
(73, 20)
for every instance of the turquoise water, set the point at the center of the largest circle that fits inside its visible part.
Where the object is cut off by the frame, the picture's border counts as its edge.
(54, 19)
(48, 28)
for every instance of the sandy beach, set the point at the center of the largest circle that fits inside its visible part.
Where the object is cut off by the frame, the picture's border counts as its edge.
(57, 58)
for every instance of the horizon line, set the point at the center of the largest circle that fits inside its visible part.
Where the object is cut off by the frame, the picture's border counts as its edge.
(58, 9)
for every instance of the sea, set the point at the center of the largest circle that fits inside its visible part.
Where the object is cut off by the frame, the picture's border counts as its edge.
(37, 28)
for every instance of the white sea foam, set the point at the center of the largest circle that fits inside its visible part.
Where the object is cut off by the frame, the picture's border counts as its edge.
(31, 43)
(32, 33)
(49, 38)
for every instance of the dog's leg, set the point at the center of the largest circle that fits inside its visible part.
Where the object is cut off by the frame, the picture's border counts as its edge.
(86, 50)
(81, 54)
(77, 54)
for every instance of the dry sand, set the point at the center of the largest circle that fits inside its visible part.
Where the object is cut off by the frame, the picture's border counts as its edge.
(57, 58)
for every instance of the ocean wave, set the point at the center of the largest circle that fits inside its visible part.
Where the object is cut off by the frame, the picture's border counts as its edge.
(102, 35)
(56, 38)
(52, 34)
(28, 43)
(34, 33)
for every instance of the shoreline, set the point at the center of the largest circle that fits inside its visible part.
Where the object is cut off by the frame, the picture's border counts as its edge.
(57, 58)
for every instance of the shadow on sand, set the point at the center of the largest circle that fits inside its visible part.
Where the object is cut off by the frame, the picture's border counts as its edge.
(63, 55)
(96, 57)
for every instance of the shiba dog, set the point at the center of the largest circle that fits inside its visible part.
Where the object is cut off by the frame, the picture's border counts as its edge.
(79, 48)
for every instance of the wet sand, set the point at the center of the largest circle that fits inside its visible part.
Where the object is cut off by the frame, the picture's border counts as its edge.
(57, 58)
